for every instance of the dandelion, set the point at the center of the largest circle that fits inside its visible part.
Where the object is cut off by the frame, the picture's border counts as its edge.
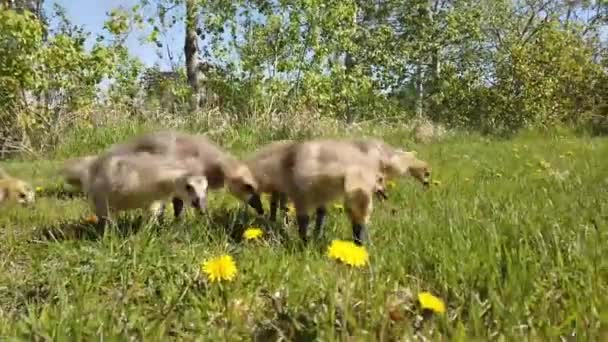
(338, 206)
(220, 268)
(429, 302)
(39, 189)
(391, 184)
(252, 233)
(437, 182)
(348, 252)
(91, 219)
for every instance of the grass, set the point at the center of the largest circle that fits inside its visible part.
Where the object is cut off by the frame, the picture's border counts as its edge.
(511, 237)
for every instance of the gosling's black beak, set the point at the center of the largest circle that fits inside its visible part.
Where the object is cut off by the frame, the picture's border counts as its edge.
(256, 203)
(200, 203)
(426, 184)
(381, 195)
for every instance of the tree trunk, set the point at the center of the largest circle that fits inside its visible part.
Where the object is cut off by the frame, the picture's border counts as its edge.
(419, 91)
(191, 52)
(349, 65)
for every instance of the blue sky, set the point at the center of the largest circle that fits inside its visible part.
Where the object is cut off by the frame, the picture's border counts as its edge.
(94, 13)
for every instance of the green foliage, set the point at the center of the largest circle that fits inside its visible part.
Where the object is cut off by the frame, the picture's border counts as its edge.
(165, 90)
(558, 74)
(21, 35)
(126, 88)
(547, 80)
(494, 66)
(46, 81)
(538, 73)
(120, 22)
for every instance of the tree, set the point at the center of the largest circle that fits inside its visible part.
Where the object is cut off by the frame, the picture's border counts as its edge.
(191, 52)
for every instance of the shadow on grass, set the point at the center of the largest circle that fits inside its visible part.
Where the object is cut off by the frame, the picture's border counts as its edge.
(65, 231)
(221, 223)
(82, 230)
(285, 323)
(218, 222)
(233, 223)
(60, 192)
(299, 328)
(282, 232)
(304, 323)
(26, 294)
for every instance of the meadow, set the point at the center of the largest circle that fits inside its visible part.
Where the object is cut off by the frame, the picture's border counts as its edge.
(511, 236)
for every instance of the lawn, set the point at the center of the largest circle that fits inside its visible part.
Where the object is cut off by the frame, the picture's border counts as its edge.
(511, 236)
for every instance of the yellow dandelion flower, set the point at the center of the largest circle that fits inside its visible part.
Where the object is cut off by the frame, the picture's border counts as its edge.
(91, 218)
(252, 233)
(391, 184)
(437, 182)
(336, 249)
(338, 206)
(348, 252)
(430, 302)
(39, 189)
(220, 268)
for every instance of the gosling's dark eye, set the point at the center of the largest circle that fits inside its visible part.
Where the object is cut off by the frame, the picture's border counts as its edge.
(189, 188)
(248, 188)
(427, 174)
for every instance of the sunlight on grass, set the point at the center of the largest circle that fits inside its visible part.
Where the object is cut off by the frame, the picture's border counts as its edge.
(501, 249)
